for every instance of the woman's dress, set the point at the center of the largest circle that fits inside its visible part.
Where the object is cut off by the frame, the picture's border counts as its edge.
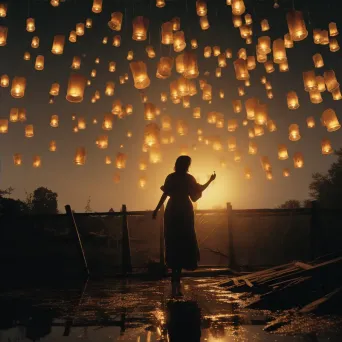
(181, 247)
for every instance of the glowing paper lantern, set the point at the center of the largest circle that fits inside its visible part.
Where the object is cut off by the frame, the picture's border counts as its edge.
(151, 135)
(176, 23)
(139, 73)
(320, 84)
(110, 87)
(279, 52)
(245, 31)
(294, 134)
(14, 115)
(130, 55)
(333, 45)
(3, 126)
(194, 44)
(258, 130)
(140, 27)
(218, 72)
(129, 109)
(120, 160)
(231, 144)
(309, 79)
(269, 94)
(336, 94)
(102, 141)
(182, 127)
(150, 51)
(201, 8)
(81, 123)
(248, 173)
(18, 87)
(117, 41)
(221, 94)
(54, 89)
(310, 121)
(207, 52)
(39, 65)
(232, 125)
(237, 20)
(264, 45)
(27, 56)
(288, 42)
(252, 148)
(286, 172)
(37, 161)
(237, 106)
(268, 85)
(117, 107)
(326, 146)
(4, 81)
(204, 23)
(107, 124)
(17, 159)
(30, 25)
(80, 29)
(296, 25)
(58, 45)
(29, 131)
(155, 155)
(149, 111)
(330, 80)
(179, 43)
(207, 92)
(333, 31)
(324, 37)
(271, 126)
(35, 42)
(318, 60)
(167, 33)
(89, 23)
(241, 91)
(250, 106)
(282, 152)
(80, 156)
(292, 100)
(261, 114)
(264, 25)
(269, 67)
(115, 22)
(76, 87)
(72, 37)
(112, 66)
(52, 146)
(251, 64)
(160, 3)
(298, 160)
(238, 7)
(315, 96)
(3, 10)
(241, 70)
(22, 114)
(54, 120)
(330, 120)
(97, 6)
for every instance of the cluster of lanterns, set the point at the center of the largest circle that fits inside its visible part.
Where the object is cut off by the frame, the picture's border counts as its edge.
(271, 53)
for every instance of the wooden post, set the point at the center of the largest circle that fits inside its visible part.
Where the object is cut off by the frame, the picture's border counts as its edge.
(78, 237)
(314, 230)
(231, 254)
(161, 241)
(126, 248)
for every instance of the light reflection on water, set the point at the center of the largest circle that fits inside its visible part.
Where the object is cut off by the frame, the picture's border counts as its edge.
(127, 310)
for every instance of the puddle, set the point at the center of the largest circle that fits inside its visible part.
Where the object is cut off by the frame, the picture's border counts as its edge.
(131, 310)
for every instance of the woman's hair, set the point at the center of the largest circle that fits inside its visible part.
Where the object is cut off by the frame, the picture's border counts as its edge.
(182, 164)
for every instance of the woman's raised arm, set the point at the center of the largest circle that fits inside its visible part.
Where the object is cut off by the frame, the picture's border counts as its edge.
(160, 203)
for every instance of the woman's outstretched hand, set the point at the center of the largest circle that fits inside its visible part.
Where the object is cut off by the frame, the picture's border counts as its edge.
(212, 177)
(154, 214)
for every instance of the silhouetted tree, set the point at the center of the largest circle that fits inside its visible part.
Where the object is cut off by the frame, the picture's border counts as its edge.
(327, 188)
(290, 204)
(44, 201)
(10, 206)
(88, 208)
(307, 203)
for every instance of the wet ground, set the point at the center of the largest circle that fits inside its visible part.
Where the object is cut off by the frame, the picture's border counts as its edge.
(131, 310)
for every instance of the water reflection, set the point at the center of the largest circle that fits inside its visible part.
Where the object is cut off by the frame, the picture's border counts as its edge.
(133, 311)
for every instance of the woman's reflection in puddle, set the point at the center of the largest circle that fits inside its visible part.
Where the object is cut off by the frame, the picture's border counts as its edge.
(183, 321)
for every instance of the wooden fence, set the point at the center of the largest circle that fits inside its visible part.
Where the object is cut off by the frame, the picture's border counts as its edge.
(314, 214)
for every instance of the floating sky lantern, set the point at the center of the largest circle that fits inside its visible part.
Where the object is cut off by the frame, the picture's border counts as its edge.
(288, 42)
(176, 23)
(310, 121)
(115, 22)
(37, 161)
(265, 164)
(247, 173)
(231, 144)
(139, 73)
(261, 114)
(258, 130)
(80, 29)
(72, 37)
(22, 114)
(35, 42)
(151, 135)
(89, 23)
(53, 146)
(237, 20)
(140, 27)
(18, 87)
(27, 56)
(201, 8)
(241, 70)
(292, 100)
(120, 160)
(30, 25)
(29, 131)
(107, 124)
(309, 80)
(269, 67)
(39, 64)
(318, 60)
(326, 146)
(117, 40)
(179, 43)
(4, 81)
(252, 148)
(296, 25)
(204, 23)
(194, 44)
(102, 141)
(330, 80)
(155, 155)
(80, 156)
(315, 96)
(333, 45)
(112, 66)
(294, 134)
(54, 90)
(3, 126)
(265, 26)
(167, 33)
(250, 106)
(97, 6)
(76, 87)
(54, 121)
(336, 94)
(14, 115)
(282, 152)
(238, 7)
(81, 123)
(298, 160)
(17, 159)
(3, 10)
(330, 120)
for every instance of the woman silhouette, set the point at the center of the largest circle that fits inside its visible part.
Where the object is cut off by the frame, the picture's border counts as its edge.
(180, 237)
